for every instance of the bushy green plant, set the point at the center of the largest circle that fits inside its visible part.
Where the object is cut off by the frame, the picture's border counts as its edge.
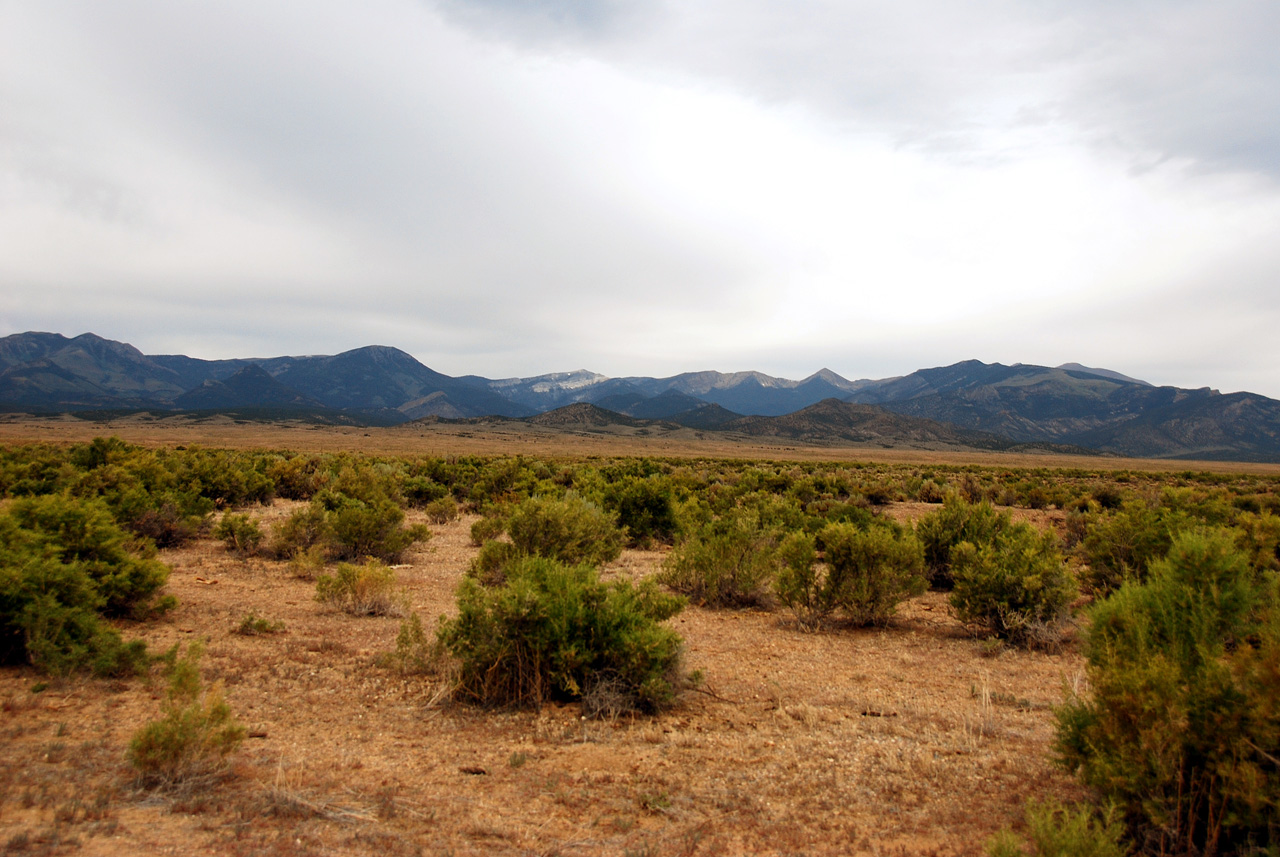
(554, 631)
(1056, 830)
(241, 533)
(83, 533)
(646, 508)
(64, 563)
(442, 510)
(361, 590)
(253, 625)
(1122, 545)
(490, 565)
(487, 528)
(1182, 728)
(571, 530)
(371, 529)
(415, 653)
(729, 562)
(191, 743)
(1017, 587)
(957, 521)
(347, 528)
(866, 574)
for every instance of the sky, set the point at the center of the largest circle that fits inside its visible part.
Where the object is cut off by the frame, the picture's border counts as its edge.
(514, 187)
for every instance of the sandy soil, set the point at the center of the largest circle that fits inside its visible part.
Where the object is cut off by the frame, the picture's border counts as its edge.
(915, 739)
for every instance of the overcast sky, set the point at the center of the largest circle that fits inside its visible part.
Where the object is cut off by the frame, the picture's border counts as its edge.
(514, 187)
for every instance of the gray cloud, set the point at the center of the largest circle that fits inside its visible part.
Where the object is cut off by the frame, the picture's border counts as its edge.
(646, 188)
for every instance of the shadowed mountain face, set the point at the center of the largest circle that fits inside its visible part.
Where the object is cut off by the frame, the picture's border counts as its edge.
(972, 404)
(250, 387)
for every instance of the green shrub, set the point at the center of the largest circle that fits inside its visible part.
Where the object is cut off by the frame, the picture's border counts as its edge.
(1182, 728)
(490, 565)
(1064, 831)
(253, 625)
(728, 562)
(191, 743)
(646, 508)
(487, 528)
(347, 528)
(64, 563)
(306, 528)
(416, 653)
(555, 631)
(571, 530)
(1259, 537)
(957, 521)
(362, 590)
(1017, 587)
(371, 529)
(1122, 545)
(84, 534)
(241, 533)
(866, 574)
(442, 511)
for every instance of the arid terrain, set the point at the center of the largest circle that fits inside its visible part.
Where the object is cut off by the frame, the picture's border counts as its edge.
(912, 739)
(918, 738)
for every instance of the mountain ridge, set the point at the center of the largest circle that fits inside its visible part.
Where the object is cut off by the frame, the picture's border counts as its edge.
(1071, 404)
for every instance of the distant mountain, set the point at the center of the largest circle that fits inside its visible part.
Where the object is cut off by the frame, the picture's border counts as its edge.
(1105, 373)
(583, 415)
(47, 370)
(251, 387)
(1089, 408)
(752, 392)
(380, 377)
(832, 419)
(971, 404)
(660, 407)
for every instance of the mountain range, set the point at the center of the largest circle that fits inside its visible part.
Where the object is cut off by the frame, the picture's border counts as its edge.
(970, 404)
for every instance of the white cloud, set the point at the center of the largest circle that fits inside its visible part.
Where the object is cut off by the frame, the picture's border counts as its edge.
(637, 188)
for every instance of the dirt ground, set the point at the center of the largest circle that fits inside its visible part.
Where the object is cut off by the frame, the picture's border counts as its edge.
(914, 739)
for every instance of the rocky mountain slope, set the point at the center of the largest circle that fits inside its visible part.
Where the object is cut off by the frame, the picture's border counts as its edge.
(987, 406)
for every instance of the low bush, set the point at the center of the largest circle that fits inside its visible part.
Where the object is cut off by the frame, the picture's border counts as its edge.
(1017, 587)
(253, 625)
(1122, 545)
(554, 632)
(239, 532)
(490, 565)
(646, 508)
(729, 562)
(487, 528)
(1182, 728)
(189, 746)
(347, 528)
(442, 510)
(362, 590)
(415, 653)
(1056, 830)
(571, 530)
(866, 574)
(957, 521)
(64, 564)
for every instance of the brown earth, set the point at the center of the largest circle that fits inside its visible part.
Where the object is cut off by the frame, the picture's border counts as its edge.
(914, 739)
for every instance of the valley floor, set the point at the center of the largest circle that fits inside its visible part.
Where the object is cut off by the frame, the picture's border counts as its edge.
(914, 739)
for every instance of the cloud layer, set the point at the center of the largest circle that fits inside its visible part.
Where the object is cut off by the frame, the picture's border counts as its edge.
(643, 188)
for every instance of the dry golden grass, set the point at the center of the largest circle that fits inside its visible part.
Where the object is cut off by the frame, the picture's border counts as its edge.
(915, 739)
(508, 438)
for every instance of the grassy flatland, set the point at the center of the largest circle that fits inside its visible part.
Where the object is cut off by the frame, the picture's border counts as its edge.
(507, 437)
